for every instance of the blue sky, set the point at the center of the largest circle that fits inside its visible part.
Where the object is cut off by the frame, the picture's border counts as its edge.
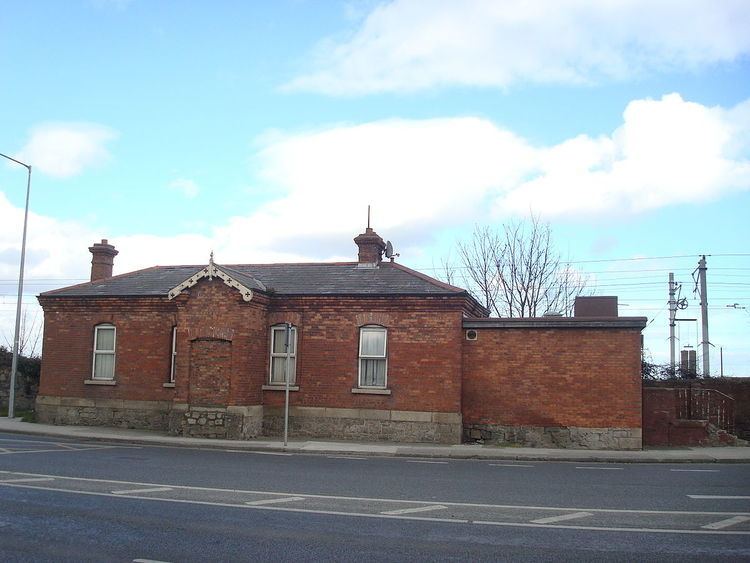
(262, 130)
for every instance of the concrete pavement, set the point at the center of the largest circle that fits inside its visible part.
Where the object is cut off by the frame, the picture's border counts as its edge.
(463, 451)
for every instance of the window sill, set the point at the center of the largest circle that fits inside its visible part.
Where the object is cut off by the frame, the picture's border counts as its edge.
(99, 382)
(280, 388)
(169, 384)
(365, 391)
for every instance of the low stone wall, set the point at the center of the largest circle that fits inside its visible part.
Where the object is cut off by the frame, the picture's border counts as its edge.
(27, 385)
(365, 424)
(147, 415)
(556, 437)
(232, 422)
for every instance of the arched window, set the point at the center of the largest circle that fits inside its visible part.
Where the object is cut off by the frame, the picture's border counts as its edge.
(373, 364)
(103, 366)
(278, 368)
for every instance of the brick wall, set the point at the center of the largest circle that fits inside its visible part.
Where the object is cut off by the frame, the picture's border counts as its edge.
(143, 348)
(560, 377)
(423, 349)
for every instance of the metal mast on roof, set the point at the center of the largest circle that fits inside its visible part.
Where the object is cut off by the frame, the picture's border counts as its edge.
(368, 216)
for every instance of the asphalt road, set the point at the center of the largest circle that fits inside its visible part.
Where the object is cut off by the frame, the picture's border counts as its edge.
(66, 500)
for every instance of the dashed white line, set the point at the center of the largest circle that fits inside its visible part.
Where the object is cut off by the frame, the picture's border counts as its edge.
(417, 509)
(561, 518)
(425, 461)
(696, 470)
(345, 457)
(719, 497)
(600, 468)
(726, 523)
(138, 491)
(273, 501)
(509, 465)
(27, 480)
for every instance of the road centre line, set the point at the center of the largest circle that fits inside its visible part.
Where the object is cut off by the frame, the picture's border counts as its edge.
(425, 461)
(139, 491)
(718, 497)
(726, 523)
(417, 509)
(371, 499)
(561, 518)
(600, 468)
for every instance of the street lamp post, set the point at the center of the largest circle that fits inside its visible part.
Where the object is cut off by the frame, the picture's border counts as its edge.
(17, 334)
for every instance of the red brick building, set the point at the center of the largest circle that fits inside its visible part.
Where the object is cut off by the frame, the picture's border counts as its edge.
(377, 351)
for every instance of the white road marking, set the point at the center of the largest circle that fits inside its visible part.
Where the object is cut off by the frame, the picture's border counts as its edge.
(268, 453)
(425, 461)
(719, 497)
(509, 465)
(600, 468)
(345, 457)
(27, 480)
(413, 510)
(561, 518)
(148, 561)
(696, 470)
(139, 491)
(273, 501)
(613, 528)
(726, 523)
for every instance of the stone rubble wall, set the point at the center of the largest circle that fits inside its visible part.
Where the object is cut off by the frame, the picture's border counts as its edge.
(365, 424)
(143, 415)
(555, 437)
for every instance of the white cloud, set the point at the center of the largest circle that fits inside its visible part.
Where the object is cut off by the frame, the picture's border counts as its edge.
(186, 187)
(422, 176)
(408, 45)
(66, 149)
(666, 152)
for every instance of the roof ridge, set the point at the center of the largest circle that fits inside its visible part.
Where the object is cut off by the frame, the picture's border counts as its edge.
(427, 278)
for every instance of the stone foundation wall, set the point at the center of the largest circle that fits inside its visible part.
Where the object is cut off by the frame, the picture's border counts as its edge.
(147, 415)
(365, 424)
(556, 437)
(236, 423)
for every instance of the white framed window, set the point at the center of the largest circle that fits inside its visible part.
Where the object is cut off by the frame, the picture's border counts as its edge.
(277, 375)
(373, 363)
(103, 366)
(174, 354)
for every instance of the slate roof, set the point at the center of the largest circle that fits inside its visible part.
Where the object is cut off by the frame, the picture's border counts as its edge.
(282, 279)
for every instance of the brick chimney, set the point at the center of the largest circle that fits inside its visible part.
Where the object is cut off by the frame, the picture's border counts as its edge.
(371, 247)
(103, 256)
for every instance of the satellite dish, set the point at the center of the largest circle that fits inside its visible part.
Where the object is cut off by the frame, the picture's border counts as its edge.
(388, 249)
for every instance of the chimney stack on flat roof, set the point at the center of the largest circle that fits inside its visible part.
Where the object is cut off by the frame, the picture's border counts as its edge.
(102, 259)
(595, 306)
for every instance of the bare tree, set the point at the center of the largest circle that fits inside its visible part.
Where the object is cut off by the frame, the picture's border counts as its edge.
(479, 258)
(517, 272)
(28, 337)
